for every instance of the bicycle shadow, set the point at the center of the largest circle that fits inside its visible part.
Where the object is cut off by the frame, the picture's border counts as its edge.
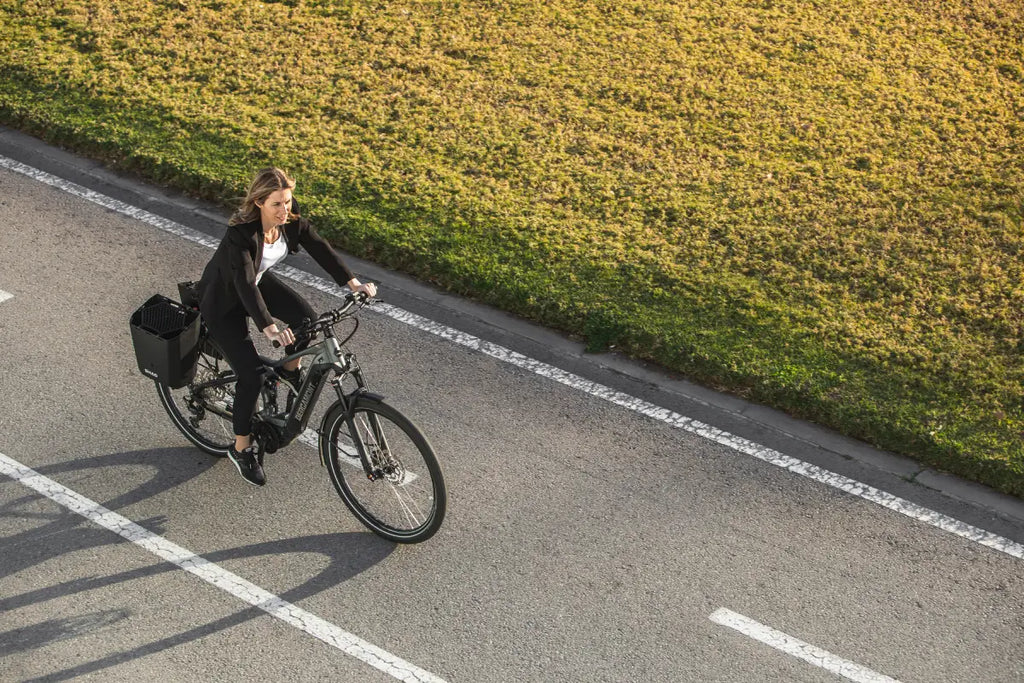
(66, 530)
(38, 635)
(348, 554)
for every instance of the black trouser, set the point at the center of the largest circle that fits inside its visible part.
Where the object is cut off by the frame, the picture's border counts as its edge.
(231, 332)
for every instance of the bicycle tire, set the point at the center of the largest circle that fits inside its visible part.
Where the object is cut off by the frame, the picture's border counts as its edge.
(203, 424)
(407, 504)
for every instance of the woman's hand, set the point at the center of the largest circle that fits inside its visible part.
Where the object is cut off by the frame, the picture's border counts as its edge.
(283, 337)
(369, 288)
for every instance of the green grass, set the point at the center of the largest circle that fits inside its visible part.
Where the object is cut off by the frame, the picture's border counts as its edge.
(814, 205)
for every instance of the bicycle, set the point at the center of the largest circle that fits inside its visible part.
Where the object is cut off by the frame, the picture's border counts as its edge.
(379, 461)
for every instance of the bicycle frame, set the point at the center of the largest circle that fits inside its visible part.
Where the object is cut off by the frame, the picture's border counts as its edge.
(328, 363)
(327, 358)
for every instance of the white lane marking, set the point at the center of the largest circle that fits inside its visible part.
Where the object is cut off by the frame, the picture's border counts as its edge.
(213, 574)
(4, 296)
(851, 486)
(797, 648)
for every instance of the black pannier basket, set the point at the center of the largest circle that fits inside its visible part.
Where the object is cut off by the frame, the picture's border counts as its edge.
(166, 338)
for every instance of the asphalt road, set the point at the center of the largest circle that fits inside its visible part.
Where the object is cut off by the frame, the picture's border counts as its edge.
(584, 541)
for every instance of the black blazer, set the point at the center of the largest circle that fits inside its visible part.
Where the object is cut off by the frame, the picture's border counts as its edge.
(230, 277)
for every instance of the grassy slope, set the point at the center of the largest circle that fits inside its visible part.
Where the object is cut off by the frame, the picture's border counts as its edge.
(817, 205)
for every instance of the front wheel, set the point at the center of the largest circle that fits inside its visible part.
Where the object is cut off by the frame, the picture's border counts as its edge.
(403, 497)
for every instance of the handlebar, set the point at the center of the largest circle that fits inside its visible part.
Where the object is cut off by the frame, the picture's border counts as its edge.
(310, 328)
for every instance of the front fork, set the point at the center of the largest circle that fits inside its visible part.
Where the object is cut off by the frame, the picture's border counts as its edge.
(348, 401)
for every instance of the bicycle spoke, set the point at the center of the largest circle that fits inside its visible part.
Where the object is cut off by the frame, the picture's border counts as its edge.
(413, 517)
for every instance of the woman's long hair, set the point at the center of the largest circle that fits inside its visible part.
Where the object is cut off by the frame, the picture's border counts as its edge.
(267, 181)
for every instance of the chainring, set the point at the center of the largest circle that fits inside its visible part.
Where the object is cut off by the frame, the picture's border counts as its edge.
(266, 436)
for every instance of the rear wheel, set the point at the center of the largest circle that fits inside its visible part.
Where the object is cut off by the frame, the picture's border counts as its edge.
(403, 499)
(200, 411)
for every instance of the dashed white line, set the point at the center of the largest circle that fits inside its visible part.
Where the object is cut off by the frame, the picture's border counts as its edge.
(797, 648)
(215, 575)
(4, 296)
(805, 469)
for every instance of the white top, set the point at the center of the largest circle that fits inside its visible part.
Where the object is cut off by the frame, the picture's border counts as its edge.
(272, 255)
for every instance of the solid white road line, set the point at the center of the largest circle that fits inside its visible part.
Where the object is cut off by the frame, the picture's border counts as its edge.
(4, 296)
(797, 648)
(213, 574)
(851, 486)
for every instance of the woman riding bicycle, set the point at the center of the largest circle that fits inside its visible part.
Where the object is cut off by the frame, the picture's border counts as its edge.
(237, 285)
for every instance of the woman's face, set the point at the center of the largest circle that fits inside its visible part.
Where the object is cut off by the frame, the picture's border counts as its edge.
(274, 209)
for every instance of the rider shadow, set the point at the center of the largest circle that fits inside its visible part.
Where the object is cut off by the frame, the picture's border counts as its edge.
(348, 554)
